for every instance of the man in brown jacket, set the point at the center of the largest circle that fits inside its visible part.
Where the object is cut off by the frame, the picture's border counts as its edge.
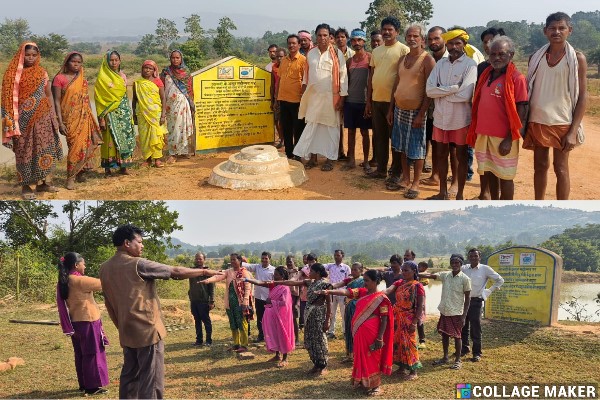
(128, 282)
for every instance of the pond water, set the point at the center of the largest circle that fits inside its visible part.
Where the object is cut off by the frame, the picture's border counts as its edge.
(586, 292)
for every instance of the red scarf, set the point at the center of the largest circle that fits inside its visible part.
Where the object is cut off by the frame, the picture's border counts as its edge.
(509, 101)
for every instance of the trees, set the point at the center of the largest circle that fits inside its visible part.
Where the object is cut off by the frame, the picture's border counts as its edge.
(51, 46)
(579, 247)
(594, 58)
(147, 45)
(406, 11)
(166, 33)
(89, 227)
(193, 48)
(223, 39)
(86, 47)
(12, 33)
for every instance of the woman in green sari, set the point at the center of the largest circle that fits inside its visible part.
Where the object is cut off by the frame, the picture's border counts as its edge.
(114, 115)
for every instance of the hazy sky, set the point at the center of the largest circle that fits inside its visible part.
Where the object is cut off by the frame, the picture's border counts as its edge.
(220, 222)
(446, 13)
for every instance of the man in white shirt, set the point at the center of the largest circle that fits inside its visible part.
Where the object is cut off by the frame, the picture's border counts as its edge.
(326, 86)
(479, 274)
(451, 85)
(262, 272)
(338, 271)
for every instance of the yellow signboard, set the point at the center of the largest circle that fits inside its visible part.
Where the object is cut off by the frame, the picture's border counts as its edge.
(530, 293)
(233, 100)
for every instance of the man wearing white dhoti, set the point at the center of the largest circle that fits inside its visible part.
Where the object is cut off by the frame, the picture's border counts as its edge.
(326, 84)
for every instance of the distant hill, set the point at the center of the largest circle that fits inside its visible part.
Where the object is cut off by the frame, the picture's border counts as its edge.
(133, 28)
(429, 233)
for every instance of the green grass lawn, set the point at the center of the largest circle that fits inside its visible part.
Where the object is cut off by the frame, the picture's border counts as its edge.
(513, 353)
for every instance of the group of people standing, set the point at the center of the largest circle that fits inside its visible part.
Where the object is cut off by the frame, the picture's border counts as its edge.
(35, 110)
(450, 100)
(382, 318)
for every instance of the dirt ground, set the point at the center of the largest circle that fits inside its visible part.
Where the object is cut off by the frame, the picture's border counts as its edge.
(187, 180)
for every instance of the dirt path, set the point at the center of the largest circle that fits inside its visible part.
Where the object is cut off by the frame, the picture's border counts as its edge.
(187, 180)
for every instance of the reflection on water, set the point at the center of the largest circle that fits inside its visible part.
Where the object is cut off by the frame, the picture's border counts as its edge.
(586, 292)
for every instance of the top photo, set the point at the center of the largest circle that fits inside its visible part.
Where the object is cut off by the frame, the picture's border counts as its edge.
(380, 100)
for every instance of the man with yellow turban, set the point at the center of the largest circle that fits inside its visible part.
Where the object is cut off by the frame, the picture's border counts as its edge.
(451, 84)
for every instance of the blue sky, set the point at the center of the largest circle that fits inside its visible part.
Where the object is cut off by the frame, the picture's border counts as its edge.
(57, 13)
(213, 222)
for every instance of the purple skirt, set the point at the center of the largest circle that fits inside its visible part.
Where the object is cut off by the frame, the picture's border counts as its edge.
(90, 358)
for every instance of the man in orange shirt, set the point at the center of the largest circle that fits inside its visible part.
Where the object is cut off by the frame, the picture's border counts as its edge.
(289, 93)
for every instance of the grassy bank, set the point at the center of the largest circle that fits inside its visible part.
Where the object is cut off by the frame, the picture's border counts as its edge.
(514, 353)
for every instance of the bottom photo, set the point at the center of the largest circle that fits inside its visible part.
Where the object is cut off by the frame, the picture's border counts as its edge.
(299, 299)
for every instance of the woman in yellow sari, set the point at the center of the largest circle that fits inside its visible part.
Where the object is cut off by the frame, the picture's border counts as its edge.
(75, 118)
(30, 128)
(149, 105)
(114, 115)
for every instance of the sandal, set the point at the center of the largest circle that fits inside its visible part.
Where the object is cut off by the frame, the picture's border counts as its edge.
(347, 167)
(438, 197)
(375, 175)
(374, 392)
(456, 365)
(428, 182)
(44, 187)
(441, 361)
(310, 164)
(328, 166)
(427, 168)
(282, 364)
(158, 164)
(70, 184)
(28, 196)
(411, 194)
(411, 377)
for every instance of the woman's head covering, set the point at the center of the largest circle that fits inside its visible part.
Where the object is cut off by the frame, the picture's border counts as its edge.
(153, 65)
(180, 66)
(109, 88)
(412, 265)
(64, 69)
(17, 78)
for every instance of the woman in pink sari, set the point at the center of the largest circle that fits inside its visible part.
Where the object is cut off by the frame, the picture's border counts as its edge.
(373, 331)
(278, 321)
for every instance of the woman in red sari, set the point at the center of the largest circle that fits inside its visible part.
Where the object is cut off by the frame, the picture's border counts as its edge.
(373, 331)
(410, 296)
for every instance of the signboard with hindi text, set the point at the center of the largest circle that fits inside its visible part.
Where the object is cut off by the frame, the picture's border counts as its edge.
(530, 293)
(233, 100)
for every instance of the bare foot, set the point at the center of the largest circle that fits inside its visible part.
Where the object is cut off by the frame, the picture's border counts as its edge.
(322, 372)
(282, 364)
(430, 182)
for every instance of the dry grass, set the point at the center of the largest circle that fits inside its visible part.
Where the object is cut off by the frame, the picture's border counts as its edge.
(514, 353)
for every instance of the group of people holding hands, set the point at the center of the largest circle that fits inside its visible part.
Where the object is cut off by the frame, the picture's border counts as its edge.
(383, 312)
(36, 109)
